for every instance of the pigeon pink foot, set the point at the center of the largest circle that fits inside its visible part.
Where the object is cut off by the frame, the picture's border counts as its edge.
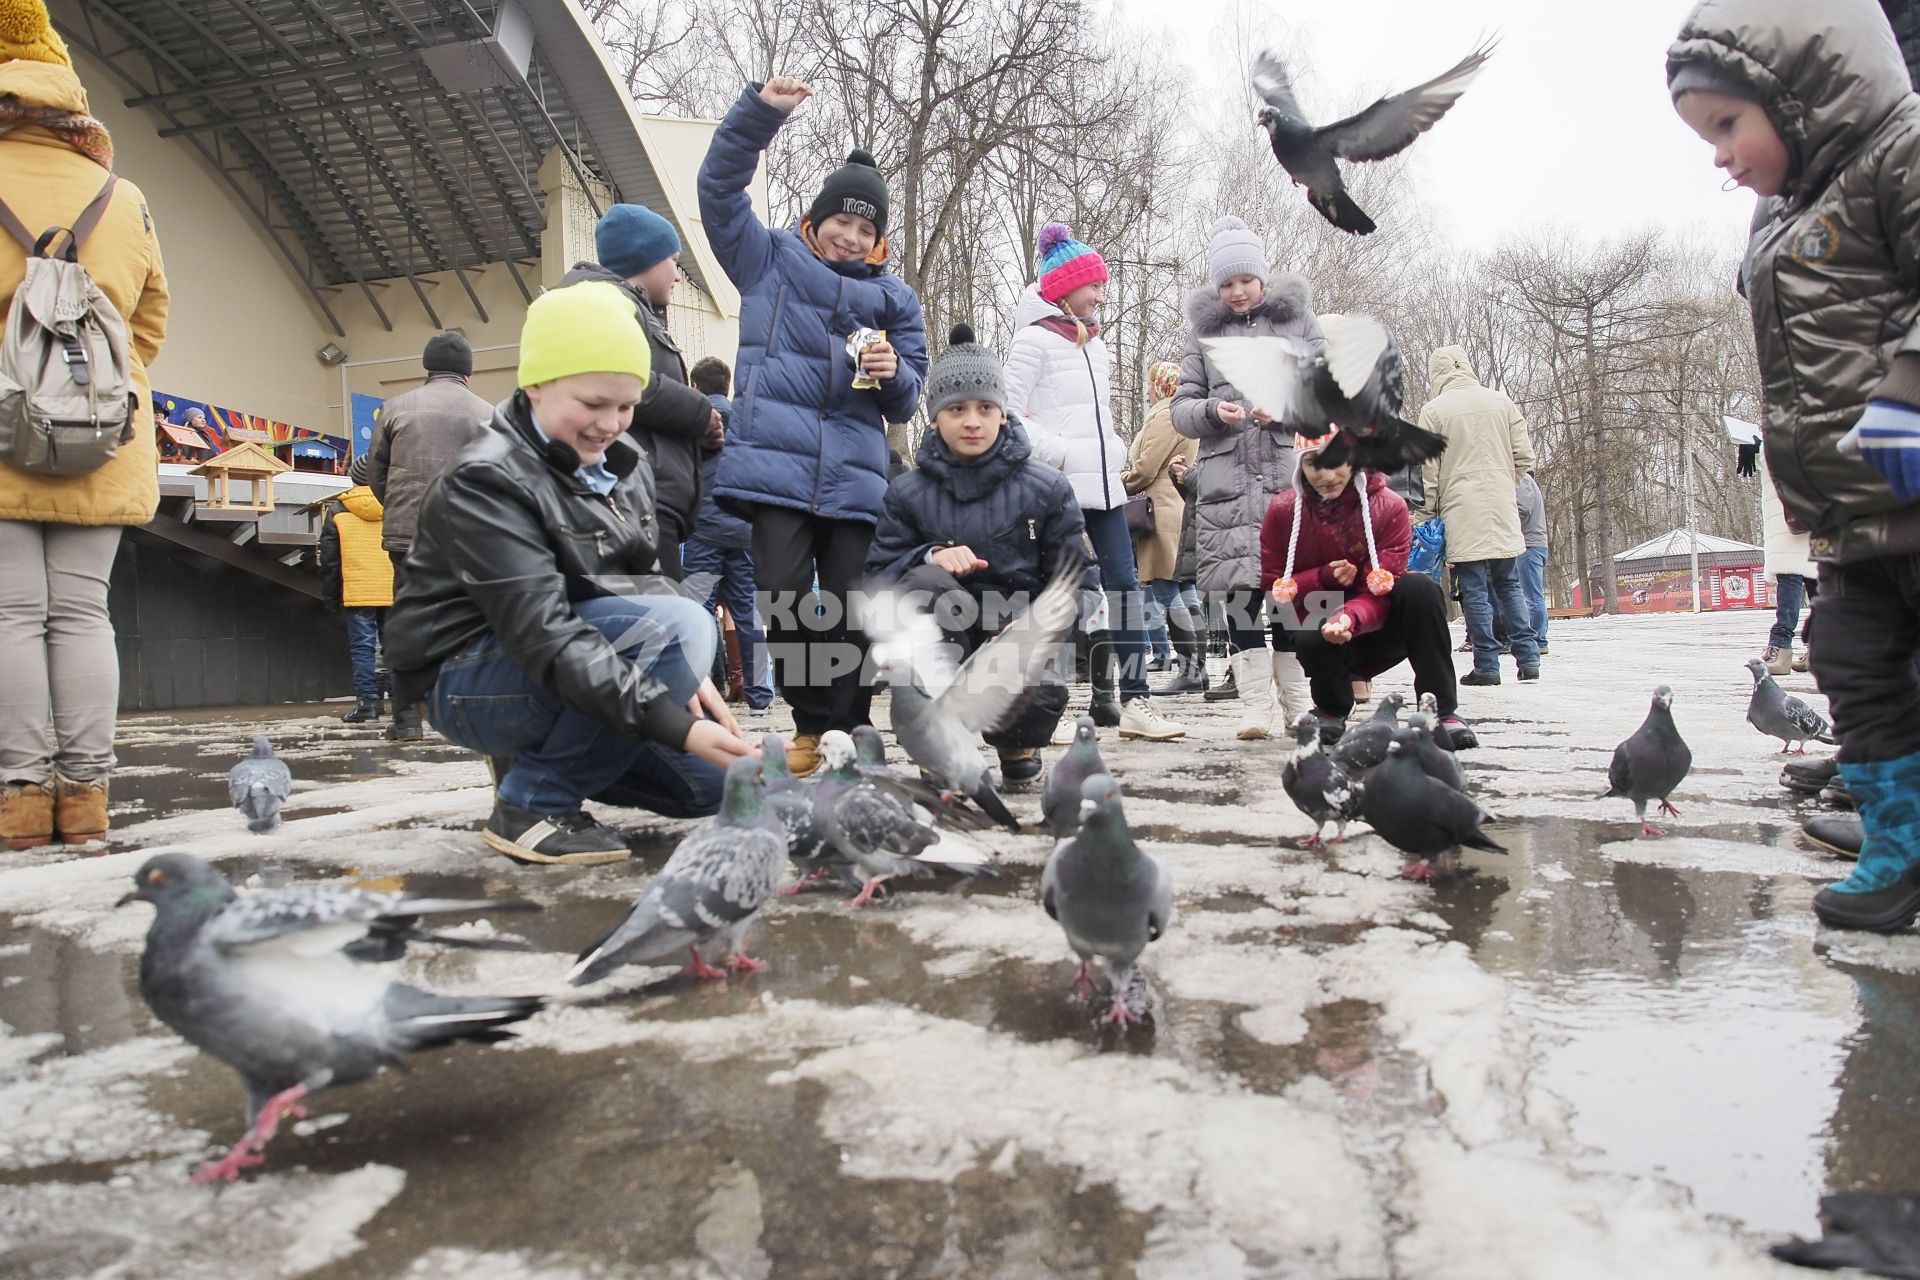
(867, 891)
(1666, 807)
(1118, 1015)
(741, 962)
(699, 968)
(1083, 984)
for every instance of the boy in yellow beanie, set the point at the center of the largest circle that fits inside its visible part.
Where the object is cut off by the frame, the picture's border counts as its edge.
(531, 620)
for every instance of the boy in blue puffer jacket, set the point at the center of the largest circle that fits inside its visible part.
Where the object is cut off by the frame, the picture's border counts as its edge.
(981, 524)
(807, 456)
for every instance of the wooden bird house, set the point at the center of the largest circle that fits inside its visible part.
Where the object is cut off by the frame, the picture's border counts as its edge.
(249, 462)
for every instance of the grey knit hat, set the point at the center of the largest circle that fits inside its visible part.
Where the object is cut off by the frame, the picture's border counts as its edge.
(1698, 73)
(1235, 250)
(964, 371)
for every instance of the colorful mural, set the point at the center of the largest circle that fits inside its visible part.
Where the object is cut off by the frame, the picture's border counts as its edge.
(366, 416)
(228, 427)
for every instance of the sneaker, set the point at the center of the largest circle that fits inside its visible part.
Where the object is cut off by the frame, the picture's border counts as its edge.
(803, 757)
(1481, 677)
(1838, 833)
(26, 815)
(570, 839)
(365, 710)
(1019, 764)
(1138, 719)
(1836, 794)
(1809, 777)
(1527, 673)
(1779, 661)
(1225, 691)
(1460, 733)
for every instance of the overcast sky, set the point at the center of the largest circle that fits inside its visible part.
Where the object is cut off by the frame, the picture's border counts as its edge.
(1570, 122)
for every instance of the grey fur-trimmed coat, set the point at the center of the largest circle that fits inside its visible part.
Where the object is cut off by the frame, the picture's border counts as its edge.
(1241, 466)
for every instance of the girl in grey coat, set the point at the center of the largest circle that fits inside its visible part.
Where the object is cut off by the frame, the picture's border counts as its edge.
(1245, 459)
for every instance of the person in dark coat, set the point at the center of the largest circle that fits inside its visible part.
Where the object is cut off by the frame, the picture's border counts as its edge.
(639, 252)
(808, 457)
(980, 527)
(720, 550)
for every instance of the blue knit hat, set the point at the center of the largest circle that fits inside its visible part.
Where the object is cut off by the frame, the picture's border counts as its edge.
(630, 238)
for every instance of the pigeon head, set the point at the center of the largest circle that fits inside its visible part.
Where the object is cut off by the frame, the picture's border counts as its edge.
(1306, 731)
(836, 749)
(773, 757)
(171, 880)
(1390, 706)
(1429, 706)
(1663, 696)
(1758, 668)
(868, 745)
(1083, 730)
(262, 749)
(740, 797)
(1099, 794)
(1401, 741)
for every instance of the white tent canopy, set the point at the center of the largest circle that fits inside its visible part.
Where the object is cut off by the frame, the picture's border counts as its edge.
(1682, 543)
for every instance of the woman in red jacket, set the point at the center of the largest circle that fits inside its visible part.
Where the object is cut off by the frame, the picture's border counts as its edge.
(1335, 568)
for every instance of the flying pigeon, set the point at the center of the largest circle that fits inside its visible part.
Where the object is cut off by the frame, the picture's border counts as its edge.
(276, 985)
(1420, 816)
(720, 875)
(939, 711)
(874, 830)
(1311, 155)
(1435, 760)
(1353, 387)
(1317, 786)
(1060, 806)
(259, 786)
(1364, 746)
(1110, 899)
(1779, 714)
(1651, 763)
(942, 808)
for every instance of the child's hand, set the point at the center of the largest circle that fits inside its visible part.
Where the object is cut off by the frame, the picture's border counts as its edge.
(1338, 629)
(879, 361)
(1344, 572)
(716, 435)
(1888, 438)
(958, 561)
(785, 92)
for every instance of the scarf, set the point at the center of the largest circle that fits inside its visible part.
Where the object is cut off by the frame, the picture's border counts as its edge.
(83, 133)
(877, 257)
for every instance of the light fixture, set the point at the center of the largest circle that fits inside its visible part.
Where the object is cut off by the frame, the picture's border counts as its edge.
(331, 354)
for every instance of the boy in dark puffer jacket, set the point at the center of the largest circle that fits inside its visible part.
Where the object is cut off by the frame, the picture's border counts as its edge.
(979, 526)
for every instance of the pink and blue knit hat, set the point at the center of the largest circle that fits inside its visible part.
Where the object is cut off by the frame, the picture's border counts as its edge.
(1065, 263)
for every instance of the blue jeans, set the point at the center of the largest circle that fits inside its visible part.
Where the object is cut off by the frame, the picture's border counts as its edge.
(364, 627)
(1789, 593)
(1532, 568)
(562, 757)
(1162, 594)
(1481, 583)
(1113, 548)
(731, 570)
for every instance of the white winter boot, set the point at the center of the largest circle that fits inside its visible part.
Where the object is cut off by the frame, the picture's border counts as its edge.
(1290, 687)
(1255, 680)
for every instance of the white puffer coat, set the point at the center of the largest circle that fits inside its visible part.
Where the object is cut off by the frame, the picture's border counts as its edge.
(1059, 391)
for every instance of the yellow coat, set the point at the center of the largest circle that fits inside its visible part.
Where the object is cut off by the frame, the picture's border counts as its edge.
(366, 571)
(47, 184)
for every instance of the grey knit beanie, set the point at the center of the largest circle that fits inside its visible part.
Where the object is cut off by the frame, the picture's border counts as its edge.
(964, 371)
(1698, 73)
(1235, 250)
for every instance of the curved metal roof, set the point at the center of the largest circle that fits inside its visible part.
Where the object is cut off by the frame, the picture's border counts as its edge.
(382, 139)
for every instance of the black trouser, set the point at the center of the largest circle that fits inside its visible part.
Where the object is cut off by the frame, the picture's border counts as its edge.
(1864, 636)
(1415, 631)
(957, 610)
(818, 660)
(1238, 614)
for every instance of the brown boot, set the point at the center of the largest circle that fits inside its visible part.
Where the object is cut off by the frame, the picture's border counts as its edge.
(26, 815)
(79, 809)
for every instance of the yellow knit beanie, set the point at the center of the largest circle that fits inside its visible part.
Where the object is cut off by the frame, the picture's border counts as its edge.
(27, 34)
(583, 328)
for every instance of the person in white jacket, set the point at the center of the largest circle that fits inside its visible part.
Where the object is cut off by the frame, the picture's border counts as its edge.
(1790, 565)
(1057, 377)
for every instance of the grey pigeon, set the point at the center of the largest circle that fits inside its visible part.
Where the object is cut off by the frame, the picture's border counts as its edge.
(720, 875)
(1352, 385)
(1778, 714)
(1650, 763)
(276, 986)
(1060, 806)
(1420, 816)
(1435, 761)
(1311, 155)
(259, 786)
(875, 831)
(1110, 898)
(1317, 786)
(791, 801)
(943, 808)
(939, 712)
(1364, 746)
(1442, 736)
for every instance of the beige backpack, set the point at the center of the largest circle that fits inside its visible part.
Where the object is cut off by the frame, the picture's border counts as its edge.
(67, 399)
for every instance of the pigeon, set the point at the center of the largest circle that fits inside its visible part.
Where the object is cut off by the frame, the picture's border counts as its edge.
(1111, 899)
(1435, 760)
(1060, 806)
(1364, 746)
(942, 808)
(1779, 714)
(277, 985)
(939, 711)
(1311, 155)
(1352, 386)
(874, 830)
(1442, 736)
(791, 801)
(1420, 816)
(1651, 763)
(720, 875)
(1317, 786)
(259, 786)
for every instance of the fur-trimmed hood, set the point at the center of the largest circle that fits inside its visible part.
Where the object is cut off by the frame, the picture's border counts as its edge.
(1288, 298)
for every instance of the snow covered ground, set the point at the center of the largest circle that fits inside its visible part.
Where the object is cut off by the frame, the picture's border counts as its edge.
(1598, 1056)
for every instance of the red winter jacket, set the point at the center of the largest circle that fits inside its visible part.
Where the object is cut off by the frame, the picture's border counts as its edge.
(1332, 531)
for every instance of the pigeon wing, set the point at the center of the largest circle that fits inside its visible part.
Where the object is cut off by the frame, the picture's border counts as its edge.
(1274, 84)
(903, 631)
(1354, 347)
(1391, 124)
(1802, 716)
(306, 919)
(1005, 667)
(1160, 901)
(1270, 372)
(1620, 772)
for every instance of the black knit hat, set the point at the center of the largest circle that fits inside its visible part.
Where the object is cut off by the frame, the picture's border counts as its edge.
(448, 352)
(856, 187)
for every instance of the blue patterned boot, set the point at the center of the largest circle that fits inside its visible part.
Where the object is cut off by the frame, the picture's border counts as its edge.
(1883, 893)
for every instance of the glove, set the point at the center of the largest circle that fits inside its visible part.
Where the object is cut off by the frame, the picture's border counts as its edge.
(1887, 437)
(1749, 464)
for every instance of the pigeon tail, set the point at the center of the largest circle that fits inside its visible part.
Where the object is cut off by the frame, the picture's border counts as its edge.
(989, 800)
(1338, 208)
(429, 1021)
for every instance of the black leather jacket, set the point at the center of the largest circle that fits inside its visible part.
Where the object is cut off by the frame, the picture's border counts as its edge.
(507, 540)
